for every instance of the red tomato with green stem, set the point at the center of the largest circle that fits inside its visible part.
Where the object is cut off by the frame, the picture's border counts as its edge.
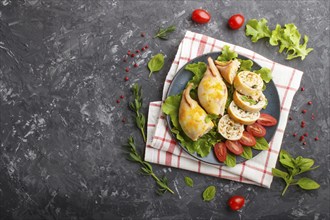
(236, 21)
(257, 130)
(267, 120)
(200, 16)
(234, 146)
(236, 202)
(220, 151)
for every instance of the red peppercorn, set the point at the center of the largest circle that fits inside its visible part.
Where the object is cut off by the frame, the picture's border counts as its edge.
(316, 138)
(304, 143)
(126, 78)
(143, 34)
(304, 111)
(132, 55)
(301, 138)
(309, 103)
(118, 101)
(121, 96)
(302, 89)
(129, 52)
(137, 51)
(127, 69)
(142, 49)
(294, 134)
(136, 65)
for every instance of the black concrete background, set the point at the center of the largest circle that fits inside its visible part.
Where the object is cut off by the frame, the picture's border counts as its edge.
(61, 70)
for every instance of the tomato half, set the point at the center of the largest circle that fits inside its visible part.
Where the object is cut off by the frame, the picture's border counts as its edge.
(220, 151)
(236, 21)
(200, 16)
(257, 130)
(234, 146)
(236, 202)
(247, 139)
(266, 120)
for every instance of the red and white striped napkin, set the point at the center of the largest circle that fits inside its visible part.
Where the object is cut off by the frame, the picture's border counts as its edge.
(161, 148)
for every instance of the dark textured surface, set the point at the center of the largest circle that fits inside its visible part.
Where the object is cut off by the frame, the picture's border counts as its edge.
(61, 130)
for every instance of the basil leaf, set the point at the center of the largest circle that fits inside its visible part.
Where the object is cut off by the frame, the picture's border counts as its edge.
(265, 74)
(249, 100)
(247, 153)
(246, 65)
(156, 63)
(189, 181)
(209, 193)
(261, 144)
(227, 54)
(307, 183)
(301, 162)
(280, 173)
(230, 160)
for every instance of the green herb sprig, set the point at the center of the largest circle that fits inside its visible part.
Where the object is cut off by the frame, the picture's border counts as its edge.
(146, 168)
(295, 166)
(136, 107)
(164, 32)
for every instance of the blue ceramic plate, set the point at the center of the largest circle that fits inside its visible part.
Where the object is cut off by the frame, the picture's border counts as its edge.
(183, 76)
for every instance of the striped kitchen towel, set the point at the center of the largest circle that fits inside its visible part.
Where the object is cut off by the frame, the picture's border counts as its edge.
(161, 147)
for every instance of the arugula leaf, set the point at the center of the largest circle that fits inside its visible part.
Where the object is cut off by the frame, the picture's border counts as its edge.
(198, 69)
(209, 193)
(171, 108)
(188, 181)
(248, 99)
(261, 144)
(227, 54)
(265, 74)
(257, 29)
(230, 160)
(247, 153)
(245, 65)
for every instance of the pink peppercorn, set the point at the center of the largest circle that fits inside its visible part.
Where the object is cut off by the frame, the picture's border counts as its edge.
(294, 134)
(126, 78)
(136, 65)
(306, 134)
(143, 34)
(304, 111)
(137, 51)
(127, 69)
(316, 138)
(302, 89)
(146, 46)
(129, 52)
(122, 97)
(123, 120)
(132, 55)
(304, 143)
(290, 118)
(118, 101)
(302, 124)
(142, 49)
(309, 103)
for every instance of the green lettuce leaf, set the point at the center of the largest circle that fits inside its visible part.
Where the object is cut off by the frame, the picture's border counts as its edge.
(245, 65)
(198, 69)
(265, 74)
(257, 29)
(171, 108)
(227, 54)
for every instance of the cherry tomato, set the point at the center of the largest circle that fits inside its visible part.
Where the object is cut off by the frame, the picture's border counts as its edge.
(247, 139)
(236, 21)
(234, 146)
(220, 151)
(257, 130)
(200, 16)
(236, 202)
(266, 120)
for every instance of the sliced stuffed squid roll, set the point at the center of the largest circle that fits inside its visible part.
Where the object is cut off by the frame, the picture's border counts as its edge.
(248, 103)
(230, 129)
(228, 69)
(241, 116)
(192, 117)
(212, 91)
(248, 83)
